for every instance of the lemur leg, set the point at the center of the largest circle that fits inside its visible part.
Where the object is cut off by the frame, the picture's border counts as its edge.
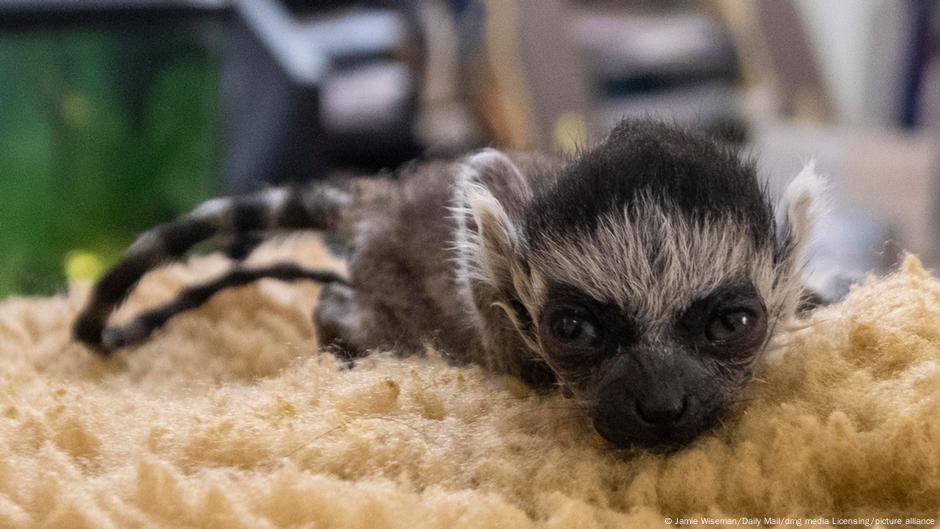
(341, 322)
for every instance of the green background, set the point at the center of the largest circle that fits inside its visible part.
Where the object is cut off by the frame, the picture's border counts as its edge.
(103, 133)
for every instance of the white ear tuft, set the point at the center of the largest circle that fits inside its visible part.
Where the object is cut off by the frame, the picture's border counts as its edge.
(804, 201)
(499, 237)
(489, 240)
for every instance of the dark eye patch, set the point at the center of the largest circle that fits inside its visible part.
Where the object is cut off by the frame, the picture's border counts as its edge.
(731, 321)
(576, 328)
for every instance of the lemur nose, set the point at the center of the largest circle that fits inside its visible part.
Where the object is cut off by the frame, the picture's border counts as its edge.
(664, 411)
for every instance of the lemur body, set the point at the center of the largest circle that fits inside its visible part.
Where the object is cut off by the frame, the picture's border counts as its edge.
(643, 277)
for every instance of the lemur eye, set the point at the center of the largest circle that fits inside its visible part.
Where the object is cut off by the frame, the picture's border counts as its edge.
(732, 326)
(574, 330)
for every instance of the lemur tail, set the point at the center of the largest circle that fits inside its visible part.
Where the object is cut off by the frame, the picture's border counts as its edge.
(116, 337)
(312, 208)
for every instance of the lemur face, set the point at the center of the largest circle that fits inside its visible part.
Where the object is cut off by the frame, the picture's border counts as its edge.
(652, 322)
(658, 273)
(653, 383)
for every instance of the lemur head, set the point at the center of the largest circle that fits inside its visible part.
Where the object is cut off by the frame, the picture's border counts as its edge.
(649, 275)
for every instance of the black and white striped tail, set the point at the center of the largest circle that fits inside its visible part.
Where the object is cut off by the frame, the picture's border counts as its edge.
(138, 329)
(313, 208)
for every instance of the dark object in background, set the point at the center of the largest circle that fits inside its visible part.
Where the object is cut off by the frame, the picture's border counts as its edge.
(270, 96)
(35, 14)
(306, 91)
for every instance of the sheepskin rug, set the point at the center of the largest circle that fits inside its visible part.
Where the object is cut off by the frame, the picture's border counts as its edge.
(230, 418)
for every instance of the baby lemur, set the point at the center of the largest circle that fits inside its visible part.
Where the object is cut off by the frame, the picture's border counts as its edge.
(642, 277)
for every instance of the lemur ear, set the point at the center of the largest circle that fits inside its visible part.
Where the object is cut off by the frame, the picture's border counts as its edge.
(491, 195)
(490, 198)
(499, 238)
(804, 201)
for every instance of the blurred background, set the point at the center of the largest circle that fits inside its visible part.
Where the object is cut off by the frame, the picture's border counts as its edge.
(119, 114)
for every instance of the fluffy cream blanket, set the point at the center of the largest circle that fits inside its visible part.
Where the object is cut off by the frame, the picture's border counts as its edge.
(230, 418)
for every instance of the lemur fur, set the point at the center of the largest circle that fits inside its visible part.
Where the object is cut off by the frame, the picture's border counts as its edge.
(643, 277)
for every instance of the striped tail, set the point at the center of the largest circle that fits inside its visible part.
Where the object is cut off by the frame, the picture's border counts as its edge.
(313, 208)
